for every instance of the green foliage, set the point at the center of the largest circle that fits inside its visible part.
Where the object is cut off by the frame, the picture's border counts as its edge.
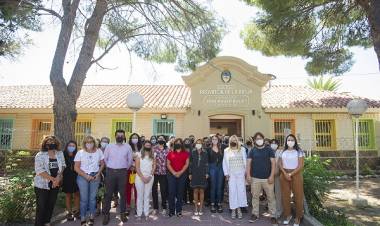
(17, 199)
(15, 16)
(320, 83)
(181, 32)
(321, 31)
(317, 180)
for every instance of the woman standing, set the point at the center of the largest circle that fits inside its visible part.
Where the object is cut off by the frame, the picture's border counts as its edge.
(198, 174)
(188, 191)
(234, 168)
(160, 175)
(291, 179)
(177, 164)
(70, 187)
(274, 144)
(49, 164)
(89, 163)
(215, 160)
(136, 145)
(145, 166)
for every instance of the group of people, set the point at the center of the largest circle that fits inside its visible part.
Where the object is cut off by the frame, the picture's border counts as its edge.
(183, 170)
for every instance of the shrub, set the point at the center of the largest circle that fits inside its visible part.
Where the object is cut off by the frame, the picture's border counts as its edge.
(17, 199)
(317, 181)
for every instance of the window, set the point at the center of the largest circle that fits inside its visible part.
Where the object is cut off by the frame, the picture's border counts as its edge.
(82, 129)
(163, 127)
(40, 129)
(6, 132)
(282, 128)
(325, 134)
(124, 124)
(366, 134)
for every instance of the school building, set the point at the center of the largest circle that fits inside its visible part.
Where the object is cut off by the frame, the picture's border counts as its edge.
(226, 95)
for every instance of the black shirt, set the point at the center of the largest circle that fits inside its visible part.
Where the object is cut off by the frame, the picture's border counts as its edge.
(215, 157)
(261, 165)
(53, 167)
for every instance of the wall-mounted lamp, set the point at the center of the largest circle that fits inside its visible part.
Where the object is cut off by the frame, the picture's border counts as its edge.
(199, 112)
(164, 116)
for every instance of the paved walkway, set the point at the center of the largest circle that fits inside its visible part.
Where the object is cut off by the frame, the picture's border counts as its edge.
(208, 219)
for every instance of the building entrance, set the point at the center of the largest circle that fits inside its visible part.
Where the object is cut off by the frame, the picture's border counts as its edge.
(226, 125)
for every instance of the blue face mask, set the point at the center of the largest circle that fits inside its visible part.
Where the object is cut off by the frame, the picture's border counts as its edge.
(71, 149)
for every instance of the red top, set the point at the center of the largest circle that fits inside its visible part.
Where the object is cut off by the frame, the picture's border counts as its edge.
(178, 159)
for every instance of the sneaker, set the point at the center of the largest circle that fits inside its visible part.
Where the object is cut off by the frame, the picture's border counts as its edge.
(123, 217)
(220, 208)
(147, 218)
(213, 209)
(287, 220)
(253, 218)
(233, 214)
(154, 212)
(239, 213)
(196, 213)
(69, 216)
(163, 212)
(90, 222)
(106, 218)
(273, 221)
(200, 213)
(296, 222)
(83, 223)
(170, 214)
(179, 214)
(76, 214)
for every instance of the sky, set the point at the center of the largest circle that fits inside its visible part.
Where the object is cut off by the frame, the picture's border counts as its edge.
(34, 65)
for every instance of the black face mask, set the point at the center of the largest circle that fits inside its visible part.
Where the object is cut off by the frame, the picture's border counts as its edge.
(147, 149)
(233, 144)
(51, 146)
(119, 139)
(187, 145)
(249, 143)
(177, 146)
(161, 142)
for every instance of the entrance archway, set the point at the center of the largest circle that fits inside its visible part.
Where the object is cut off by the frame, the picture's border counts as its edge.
(227, 125)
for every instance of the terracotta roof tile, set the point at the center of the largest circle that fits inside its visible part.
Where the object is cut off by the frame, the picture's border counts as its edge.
(169, 97)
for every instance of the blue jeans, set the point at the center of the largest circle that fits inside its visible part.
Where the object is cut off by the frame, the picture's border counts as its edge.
(176, 190)
(216, 183)
(88, 191)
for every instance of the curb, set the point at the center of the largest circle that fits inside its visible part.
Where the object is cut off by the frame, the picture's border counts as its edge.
(309, 220)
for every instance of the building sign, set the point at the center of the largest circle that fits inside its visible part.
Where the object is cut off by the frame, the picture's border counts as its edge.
(225, 96)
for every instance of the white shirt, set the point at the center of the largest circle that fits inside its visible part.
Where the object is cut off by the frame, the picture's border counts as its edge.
(146, 164)
(290, 158)
(89, 162)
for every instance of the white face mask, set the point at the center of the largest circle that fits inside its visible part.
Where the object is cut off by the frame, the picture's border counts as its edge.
(290, 143)
(135, 140)
(103, 144)
(89, 146)
(198, 146)
(260, 142)
(274, 146)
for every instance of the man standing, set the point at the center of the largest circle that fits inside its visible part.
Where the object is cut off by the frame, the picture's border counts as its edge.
(118, 159)
(261, 168)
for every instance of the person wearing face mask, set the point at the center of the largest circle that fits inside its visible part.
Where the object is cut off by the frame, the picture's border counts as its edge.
(170, 143)
(274, 144)
(89, 163)
(198, 175)
(118, 159)
(234, 168)
(160, 175)
(153, 140)
(188, 192)
(177, 164)
(291, 179)
(136, 144)
(69, 185)
(215, 160)
(145, 167)
(49, 165)
(103, 142)
(260, 171)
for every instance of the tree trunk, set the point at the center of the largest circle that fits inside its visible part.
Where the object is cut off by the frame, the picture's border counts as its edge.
(66, 96)
(374, 22)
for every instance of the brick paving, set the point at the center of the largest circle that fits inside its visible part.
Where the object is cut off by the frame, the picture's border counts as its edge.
(208, 219)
